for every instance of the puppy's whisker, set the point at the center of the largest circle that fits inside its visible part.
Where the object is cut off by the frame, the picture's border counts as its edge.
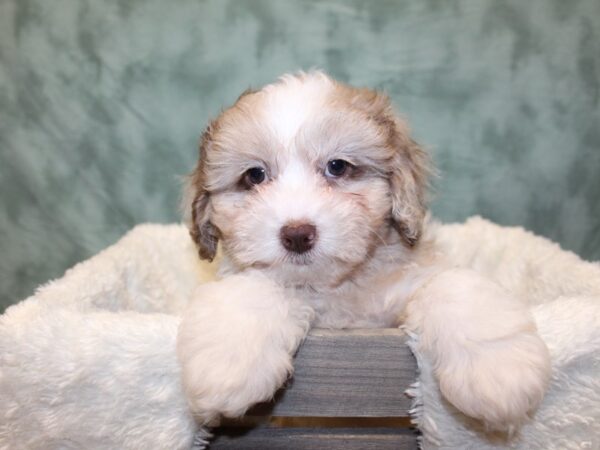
(384, 243)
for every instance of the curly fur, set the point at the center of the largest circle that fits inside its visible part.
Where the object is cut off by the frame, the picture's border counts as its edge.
(373, 263)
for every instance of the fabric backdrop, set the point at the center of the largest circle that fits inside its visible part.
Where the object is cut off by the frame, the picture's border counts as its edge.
(102, 104)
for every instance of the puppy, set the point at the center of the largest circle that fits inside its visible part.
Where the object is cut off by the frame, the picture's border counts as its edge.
(317, 195)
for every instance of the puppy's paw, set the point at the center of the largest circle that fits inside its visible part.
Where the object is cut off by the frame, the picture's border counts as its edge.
(500, 381)
(229, 376)
(235, 344)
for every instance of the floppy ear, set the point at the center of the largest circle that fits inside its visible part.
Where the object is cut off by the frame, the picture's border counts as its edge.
(202, 231)
(410, 165)
(408, 183)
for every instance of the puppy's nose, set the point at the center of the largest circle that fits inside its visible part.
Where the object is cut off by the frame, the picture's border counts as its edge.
(298, 238)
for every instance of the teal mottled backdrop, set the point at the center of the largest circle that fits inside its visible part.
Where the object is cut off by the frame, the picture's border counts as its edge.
(102, 104)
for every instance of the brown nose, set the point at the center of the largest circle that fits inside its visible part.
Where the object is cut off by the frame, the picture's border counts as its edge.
(298, 238)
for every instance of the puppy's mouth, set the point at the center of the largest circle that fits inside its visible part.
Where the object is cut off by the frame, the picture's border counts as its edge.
(289, 259)
(304, 259)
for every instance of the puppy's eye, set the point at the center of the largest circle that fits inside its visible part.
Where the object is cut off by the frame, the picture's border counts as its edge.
(337, 168)
(254, 176)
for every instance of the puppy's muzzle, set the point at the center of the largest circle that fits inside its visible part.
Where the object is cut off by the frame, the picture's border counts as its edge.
(298, 238)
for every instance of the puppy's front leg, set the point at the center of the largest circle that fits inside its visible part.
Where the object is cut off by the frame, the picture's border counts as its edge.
(236, 342)
(489, 360)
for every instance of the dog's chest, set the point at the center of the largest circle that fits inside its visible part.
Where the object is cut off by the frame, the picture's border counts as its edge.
(351, 308)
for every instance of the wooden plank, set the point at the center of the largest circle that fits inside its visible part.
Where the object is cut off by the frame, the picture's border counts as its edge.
(348, 373)
(314, 439)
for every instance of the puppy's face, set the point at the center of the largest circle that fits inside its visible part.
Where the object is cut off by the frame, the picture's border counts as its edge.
(305, 179)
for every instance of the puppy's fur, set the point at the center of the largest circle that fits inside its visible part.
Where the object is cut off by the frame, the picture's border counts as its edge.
(368, 262)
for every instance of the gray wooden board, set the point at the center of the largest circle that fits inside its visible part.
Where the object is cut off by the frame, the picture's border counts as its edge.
(315, 439)
(348, 373)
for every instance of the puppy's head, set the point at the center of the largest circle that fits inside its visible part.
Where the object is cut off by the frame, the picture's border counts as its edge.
(306, 178)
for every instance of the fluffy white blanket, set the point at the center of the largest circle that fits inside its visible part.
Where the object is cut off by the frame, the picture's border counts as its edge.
(89, 360)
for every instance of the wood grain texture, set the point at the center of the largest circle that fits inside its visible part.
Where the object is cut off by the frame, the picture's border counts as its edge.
(315, 439)
(348, 373)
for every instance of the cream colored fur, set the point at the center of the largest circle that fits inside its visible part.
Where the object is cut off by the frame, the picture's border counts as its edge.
(89, 360)
(374, 262)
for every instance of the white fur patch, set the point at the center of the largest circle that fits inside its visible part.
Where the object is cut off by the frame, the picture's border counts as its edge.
(293, 100)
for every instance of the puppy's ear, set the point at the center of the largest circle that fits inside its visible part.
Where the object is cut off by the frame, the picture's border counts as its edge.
(202, 231)
(408, 182)
(409, 165)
